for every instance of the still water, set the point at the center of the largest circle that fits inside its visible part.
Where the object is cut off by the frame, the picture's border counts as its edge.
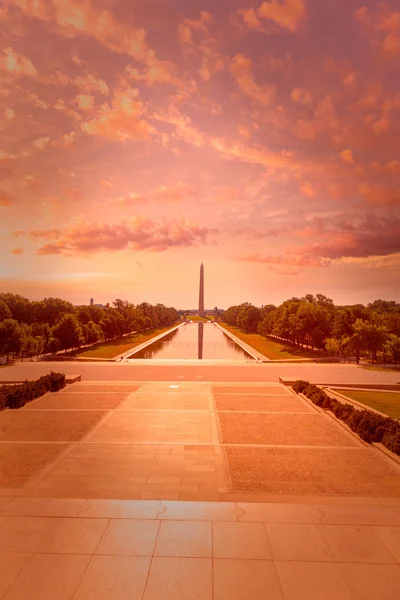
(194, 340)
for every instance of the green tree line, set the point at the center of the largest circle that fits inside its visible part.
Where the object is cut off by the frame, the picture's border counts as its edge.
(31, 328)
(316, 322)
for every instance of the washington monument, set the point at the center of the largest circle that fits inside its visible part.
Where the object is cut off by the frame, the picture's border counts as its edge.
(201, 291)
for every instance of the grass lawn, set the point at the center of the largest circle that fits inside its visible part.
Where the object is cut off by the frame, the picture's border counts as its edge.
(115, 347)
(272, 349)
(377, 368)
(386, 402)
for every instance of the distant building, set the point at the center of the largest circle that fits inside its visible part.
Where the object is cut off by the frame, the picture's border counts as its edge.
(91, 301)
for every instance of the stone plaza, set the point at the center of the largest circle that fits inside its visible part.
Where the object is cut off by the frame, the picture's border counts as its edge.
(194, 482)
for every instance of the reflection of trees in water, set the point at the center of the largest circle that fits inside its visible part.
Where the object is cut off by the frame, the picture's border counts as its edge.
(155, 347)
(184, 340)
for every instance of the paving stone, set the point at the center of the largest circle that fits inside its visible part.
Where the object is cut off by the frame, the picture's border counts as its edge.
(372, 582)
(179, 579)
(351, 543)
(184, 538)
(311, 581)
(239, 579)
(129, 537)
(49, 577)
(240, 540)
(114, 578)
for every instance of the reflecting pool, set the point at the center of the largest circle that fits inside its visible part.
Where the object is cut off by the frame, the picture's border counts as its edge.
(194, 340)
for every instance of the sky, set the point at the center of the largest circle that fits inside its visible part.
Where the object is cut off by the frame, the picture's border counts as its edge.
(141, 138)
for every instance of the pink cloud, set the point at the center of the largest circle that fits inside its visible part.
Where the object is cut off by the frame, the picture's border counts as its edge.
(17, 251)
(242, 69)
(123, 120)
(84, 101)
(17, 64)
(380, 194)
(107, 183)
(136, 233)
(285, 13)
(31, 181)
(80, 18)
(41, 143)
(184, 127)
(9, 114)
(6, 199)
(131, 199)
(347, 156)
(299, 260)
(177, 192)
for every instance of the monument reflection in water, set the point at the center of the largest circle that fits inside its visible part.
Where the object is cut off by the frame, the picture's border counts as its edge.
(200, 338)
(194, 341)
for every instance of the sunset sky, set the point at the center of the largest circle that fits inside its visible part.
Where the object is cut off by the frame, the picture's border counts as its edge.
(139, 138)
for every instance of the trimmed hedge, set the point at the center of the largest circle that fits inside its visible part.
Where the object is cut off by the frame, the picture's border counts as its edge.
(15, 396)
(368, 425)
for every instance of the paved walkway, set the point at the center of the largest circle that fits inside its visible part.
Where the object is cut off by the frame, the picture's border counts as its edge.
(239, 371)
(285, 503)
(127, 550)
(185, 441)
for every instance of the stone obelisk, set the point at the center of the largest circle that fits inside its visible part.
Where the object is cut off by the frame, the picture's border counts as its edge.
(201, 291)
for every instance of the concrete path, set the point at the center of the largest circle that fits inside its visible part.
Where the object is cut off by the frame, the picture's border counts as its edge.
(185, 441)
(143, 370)
(285, 503)
(132, 550)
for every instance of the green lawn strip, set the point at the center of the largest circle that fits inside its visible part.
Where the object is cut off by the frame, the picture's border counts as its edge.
(386, 402)
(274, 350)
(115, 347)
(376, 368)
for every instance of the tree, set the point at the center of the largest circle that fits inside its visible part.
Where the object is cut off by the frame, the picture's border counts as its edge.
(92, 332)
(332, 346)
(11, 336)
(372, 336)
(392, 348)
(5, 312)
(69, 332)
(249, 317)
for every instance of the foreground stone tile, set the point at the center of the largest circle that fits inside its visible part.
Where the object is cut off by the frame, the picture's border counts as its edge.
(240, 540)
(372, 582)
(44, 507)
(74, 536)
(25, 534)
(236, 579)
(114, 578)
(199, 511)
(297, 542)
(11, 566)
(311, 581)
(279, 513)
(122, 509)
(350, 543)
(390, 537)
(358, 515)
(49, 577)
(184, 538)
(129, 537)
(179, 579)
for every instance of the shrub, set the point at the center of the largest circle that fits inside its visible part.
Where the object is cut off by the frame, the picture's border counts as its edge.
(299, 386)
(3, 398)
(15, 396)
(391, 440)
(318, 397)
(369, 426)
(310, 390)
